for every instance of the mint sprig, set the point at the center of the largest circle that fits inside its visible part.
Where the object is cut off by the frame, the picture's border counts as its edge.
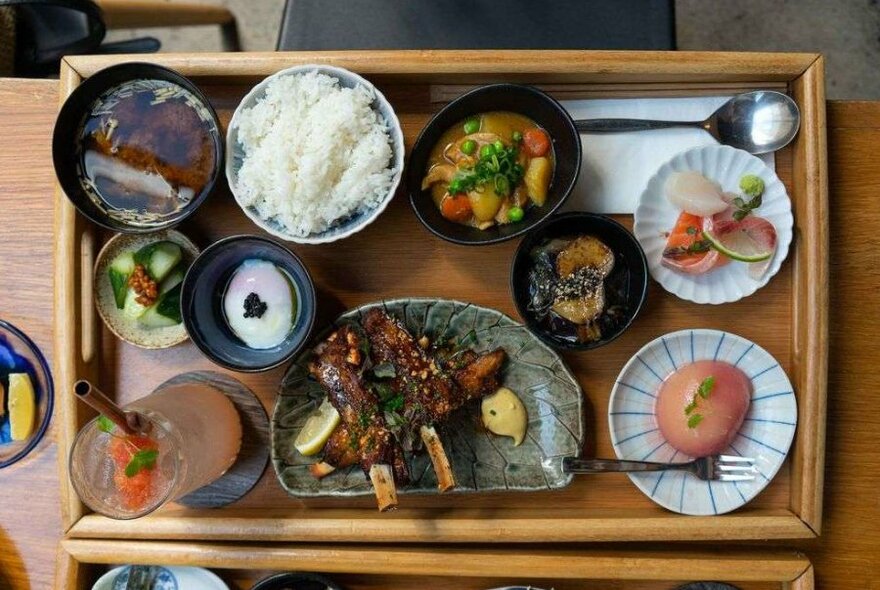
(704, 390)
(143, 459)
(105, 424)
(706, 386)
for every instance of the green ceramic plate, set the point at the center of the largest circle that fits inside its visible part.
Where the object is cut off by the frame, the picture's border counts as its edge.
(481, 461)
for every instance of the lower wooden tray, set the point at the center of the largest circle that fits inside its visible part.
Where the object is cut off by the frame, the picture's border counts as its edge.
(357, 567)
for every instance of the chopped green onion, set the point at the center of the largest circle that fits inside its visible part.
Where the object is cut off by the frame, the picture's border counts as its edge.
(487, 151)
(517, 136)
(515, 214)
(498, 145)
(502, 185)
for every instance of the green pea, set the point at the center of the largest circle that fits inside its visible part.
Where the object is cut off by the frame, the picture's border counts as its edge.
(468, 147)
(487, 151)
(517, 136)
(515, 214)
(499, 146)
(472, 125)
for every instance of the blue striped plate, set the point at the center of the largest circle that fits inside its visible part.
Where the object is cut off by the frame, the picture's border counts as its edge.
(765, 435)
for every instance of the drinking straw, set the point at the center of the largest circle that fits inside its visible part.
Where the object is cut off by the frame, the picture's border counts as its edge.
(129, 422)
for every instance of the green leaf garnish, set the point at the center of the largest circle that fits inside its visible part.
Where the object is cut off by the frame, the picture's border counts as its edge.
(695, 420)
(690, 407)
(691, 230)
(143, 459)
(105, 424)
(706, 386)
(384, 371)
(393, 404)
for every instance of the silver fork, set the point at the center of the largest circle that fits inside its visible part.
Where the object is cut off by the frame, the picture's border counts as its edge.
(718, 467)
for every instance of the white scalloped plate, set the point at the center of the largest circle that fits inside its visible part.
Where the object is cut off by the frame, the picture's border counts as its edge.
(766, 433)
(655, 216)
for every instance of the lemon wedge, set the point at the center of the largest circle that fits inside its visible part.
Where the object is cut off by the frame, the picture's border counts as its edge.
(22, 406)
(317, 429)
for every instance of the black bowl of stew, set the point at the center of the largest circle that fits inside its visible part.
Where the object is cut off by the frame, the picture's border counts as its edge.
(481, 178)
(559, 264)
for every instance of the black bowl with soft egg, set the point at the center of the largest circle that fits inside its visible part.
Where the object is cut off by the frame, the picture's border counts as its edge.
(515, 98)
(201, 303)
(629, 259)
(67, 141)
(296, 581)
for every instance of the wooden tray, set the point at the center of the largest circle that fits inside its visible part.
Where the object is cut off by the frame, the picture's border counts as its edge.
(397, 257)
(359, 567)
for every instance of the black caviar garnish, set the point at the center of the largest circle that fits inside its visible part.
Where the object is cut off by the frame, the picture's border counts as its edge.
(254, 307)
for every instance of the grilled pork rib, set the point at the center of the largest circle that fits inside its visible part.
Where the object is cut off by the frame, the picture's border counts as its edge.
(432, 390)
(338, 369)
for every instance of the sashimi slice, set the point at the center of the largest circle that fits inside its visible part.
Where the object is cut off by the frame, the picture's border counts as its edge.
(694, 193)
(758, 233)
(688, 230)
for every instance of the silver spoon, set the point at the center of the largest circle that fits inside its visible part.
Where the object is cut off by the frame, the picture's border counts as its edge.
(757, 122)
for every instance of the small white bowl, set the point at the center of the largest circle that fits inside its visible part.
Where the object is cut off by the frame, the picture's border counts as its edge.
(766, 433)
(235, 155)
(655, 216)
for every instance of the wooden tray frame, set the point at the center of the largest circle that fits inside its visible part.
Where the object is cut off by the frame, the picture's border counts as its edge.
(596, 73)
(787, 570)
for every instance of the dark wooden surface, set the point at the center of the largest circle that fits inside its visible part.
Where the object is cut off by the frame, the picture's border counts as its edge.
(844, 557)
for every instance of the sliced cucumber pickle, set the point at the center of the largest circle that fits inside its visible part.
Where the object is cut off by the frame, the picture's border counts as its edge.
(119, 271)
(159, 258)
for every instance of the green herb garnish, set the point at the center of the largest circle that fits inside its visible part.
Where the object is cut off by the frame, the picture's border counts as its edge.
(695, 420)
(699, 246)
(493, 412)
(706, 387)
(393, 404)
(753, 187)
(105, 424)
(143, 459)
(691, 230)
(704, 390)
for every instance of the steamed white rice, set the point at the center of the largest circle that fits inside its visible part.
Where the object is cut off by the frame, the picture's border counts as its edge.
(315, 153)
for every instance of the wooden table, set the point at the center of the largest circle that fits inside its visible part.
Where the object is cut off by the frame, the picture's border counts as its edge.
(844, 557)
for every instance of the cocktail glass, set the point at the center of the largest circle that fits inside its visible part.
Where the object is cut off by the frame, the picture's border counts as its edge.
(193, 437)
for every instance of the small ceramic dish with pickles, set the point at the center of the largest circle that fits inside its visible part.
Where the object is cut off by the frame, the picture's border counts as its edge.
(138, 281)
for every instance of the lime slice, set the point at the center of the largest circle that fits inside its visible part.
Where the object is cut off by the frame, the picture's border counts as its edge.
(317, 429)
(738, 245)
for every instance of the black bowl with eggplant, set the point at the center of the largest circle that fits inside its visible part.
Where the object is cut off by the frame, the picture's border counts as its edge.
(579, 280)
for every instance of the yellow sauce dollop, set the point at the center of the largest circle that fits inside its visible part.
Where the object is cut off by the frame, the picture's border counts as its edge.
(505, 415)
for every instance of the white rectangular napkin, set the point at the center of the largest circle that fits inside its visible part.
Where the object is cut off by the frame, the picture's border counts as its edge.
(616, 166)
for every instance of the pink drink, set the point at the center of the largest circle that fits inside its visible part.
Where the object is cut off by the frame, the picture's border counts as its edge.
(195, 437)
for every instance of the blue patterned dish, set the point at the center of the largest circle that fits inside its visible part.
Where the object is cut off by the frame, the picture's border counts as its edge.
(19, 354)
(766, 433)
(480, 461)
(166, 578)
